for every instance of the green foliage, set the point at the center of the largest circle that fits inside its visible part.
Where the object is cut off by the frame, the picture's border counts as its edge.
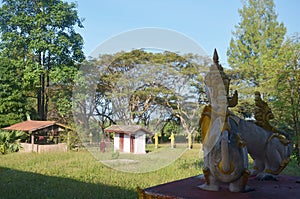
(10, 141)
(60, 94)
(125, 82)
(254, 49)
(71, 138)
(254, 52)
(264, 60)
(12, 97)
(40, 37)
(245, 108)
(286, 101)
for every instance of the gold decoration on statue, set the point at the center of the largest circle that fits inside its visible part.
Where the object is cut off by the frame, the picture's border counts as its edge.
(226, 172)
(263, 113)
(212, 80)
(281, 138)
(246, 175)
(206, 173)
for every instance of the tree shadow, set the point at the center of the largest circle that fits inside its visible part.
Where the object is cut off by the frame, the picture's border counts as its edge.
(20, 184)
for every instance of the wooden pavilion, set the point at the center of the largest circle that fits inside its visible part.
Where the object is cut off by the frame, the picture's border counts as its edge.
(43, 135)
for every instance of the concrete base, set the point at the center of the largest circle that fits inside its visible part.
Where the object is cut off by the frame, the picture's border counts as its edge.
(27, 147)
(287, 187)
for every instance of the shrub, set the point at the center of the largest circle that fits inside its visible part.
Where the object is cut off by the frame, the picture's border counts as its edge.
(10, 141)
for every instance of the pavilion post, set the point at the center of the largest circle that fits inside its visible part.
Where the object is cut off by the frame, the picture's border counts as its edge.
(32, 142)
(68, 140)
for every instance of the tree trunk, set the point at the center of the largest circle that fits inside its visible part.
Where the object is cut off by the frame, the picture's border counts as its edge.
(42, 92)
(41, 98)
(46, 97)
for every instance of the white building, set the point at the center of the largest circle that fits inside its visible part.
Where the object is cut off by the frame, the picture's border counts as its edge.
(129, 138)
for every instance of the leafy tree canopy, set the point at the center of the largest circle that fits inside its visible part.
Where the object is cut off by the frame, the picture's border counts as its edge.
(254, 51)
(138, 87)
(263, 59)
(40, 38)
(254, 47)
(12, 98)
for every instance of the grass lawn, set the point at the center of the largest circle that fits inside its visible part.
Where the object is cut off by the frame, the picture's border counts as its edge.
(80, 175)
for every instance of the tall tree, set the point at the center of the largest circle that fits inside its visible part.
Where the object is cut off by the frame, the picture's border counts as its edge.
(40, 36)
(12, 98)
(256, 41)
(286, 96)
(254, 49)
(263, 59)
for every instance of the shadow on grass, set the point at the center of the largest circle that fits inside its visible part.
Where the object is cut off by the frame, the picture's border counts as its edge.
(20, 184)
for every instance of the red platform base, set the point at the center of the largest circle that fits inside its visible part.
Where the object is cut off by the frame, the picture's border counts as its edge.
(287, 187)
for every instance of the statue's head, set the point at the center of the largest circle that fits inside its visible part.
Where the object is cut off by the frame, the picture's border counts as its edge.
(216, 81)
(225, 78)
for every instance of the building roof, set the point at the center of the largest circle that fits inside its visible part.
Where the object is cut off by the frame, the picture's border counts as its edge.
(127, 129)
(32, 125)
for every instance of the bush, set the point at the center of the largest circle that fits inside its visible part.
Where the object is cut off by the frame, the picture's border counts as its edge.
(73, 140)
(10, 141)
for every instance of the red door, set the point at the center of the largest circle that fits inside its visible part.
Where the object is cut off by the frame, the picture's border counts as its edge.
(132, 144)
(121, 142)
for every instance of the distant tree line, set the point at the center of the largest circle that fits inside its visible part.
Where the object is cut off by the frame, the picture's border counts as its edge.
(158, 90)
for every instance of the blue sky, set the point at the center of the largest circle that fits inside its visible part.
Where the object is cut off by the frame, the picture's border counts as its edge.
(207, 22)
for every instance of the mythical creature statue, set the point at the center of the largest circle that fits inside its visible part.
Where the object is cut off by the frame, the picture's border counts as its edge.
(269, 148)
(270, 151)
(227, 139)
(225, 153)
(263, 114)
